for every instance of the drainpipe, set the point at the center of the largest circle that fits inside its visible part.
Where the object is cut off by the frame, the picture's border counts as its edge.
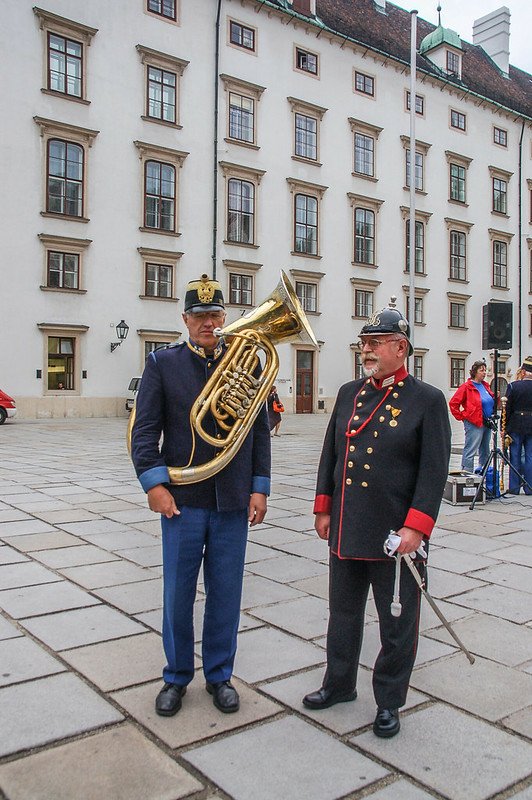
(215, 143)
(520, 245)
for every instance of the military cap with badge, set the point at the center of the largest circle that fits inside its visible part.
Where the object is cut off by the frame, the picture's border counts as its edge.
(203, 295)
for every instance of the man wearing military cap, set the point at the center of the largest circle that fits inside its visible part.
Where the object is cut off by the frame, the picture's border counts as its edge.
(383, 467)
(203, 523)
(519, 427)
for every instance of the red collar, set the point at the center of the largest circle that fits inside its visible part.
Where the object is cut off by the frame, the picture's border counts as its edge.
(390, 380)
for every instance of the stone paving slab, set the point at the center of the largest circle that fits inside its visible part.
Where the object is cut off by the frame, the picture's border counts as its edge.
(22, 660)
(43, 541)
(458, 561)
(285, 569)
(317, 586)
(93, 526)
(493, 638)
(511, 575)
(499, 601)
(446, 584)
(342, 718)
(428, 649)
(517, 554)
(257, 552)
(484, 528)
(65, 515)
(465, 542)
(526, 794)
(24, 527)
(46, 598)
(490, 690)
(143, 556)
(48, 709)
(7, 630)
(68, 629)
(452, 753)
(119, 663)
(400, 790)
(306, 617)
(258, 763)
(428, 618)
(258, 591)
(111, 573)
(122, 540)
(25, 574)
(63, 557)
(521, 722)
(134, 597)
(271, 536)
(310, 547)
(198, 719)
(265, 653)
(11, 514)
(8, 555)
(118, 764)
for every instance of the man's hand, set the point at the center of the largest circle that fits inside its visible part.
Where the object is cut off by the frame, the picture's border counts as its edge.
(322, 524)
(257, 508)
(410, 540)
(161, 501)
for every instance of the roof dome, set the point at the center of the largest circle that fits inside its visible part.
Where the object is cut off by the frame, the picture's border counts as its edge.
(438, 36)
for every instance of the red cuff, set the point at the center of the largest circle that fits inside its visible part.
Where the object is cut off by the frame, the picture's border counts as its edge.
(323, 504)
(420, 522)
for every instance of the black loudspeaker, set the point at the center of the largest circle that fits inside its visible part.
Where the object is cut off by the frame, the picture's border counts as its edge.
(497, 326)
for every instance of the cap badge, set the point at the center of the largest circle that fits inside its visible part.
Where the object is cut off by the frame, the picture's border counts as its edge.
(374, 319)
(205, 290)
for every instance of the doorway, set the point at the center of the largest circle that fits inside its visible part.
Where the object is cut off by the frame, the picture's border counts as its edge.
(304, 381)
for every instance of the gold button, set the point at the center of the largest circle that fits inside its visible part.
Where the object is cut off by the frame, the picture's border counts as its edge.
(388, 407)
(401, 383)
(375, 434)
(218, 435)
(369, 450)
(381, 419)
(353, 430)
(364, 484)
(349, 481)
(362, 392)
(351, 448)
(367, 466)
(356, 416)
(395, 394)
(208, 363)
(359, 405)
(368, 380)
(349, 463)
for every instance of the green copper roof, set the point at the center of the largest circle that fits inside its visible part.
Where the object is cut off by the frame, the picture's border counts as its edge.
(440, 35)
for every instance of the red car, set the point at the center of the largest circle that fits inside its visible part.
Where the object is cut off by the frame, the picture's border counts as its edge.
(8, 407)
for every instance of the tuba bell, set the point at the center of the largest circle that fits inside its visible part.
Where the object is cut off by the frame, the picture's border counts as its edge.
(235, 392)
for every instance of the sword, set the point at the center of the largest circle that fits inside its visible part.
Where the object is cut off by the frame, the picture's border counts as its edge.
(390, 546)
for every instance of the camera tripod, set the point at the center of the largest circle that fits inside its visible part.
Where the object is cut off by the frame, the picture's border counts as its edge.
(495, 452)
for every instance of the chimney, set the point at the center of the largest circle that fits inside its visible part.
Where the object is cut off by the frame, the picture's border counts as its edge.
(305, 7)
(380, 5)
(492, 33)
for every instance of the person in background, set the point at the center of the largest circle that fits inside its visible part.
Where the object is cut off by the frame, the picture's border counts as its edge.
(473, 404)
(274, 414)
(519, 427)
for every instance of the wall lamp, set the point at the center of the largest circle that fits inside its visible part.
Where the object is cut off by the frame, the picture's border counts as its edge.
(122, 330)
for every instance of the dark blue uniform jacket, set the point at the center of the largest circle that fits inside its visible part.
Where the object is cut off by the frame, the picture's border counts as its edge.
(173, 377)
(519, 407)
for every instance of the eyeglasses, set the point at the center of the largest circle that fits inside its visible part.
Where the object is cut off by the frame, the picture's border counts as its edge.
(202, 316)
(375, 343)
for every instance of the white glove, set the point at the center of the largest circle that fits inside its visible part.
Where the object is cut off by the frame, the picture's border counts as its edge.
(394, 540)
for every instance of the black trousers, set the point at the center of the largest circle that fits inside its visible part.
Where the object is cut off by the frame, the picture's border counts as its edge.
(349, 582)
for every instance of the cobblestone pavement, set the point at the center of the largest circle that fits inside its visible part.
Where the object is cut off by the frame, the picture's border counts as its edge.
(81, 656)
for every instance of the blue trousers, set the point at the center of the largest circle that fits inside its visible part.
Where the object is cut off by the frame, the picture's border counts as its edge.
(218, 539)
(476, 439)
(522, 461)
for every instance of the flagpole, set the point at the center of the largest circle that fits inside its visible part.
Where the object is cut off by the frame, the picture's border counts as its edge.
(412, 225)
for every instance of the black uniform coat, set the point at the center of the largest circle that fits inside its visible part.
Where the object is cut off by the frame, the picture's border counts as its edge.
(173, 378)
(384, 463)
(519, 407)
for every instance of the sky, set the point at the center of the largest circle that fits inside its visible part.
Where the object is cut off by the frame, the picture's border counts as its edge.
(460, 15)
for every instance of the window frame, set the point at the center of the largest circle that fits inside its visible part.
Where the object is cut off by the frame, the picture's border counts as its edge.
(64, 245)
(364, 203)
(156, 59)
(172, 18)
(457, 368)
(242, 276)
(458, 117)
(453, 56)
(165, 156)
(151, 335)
(363, 285)
(421, 149)
(63, 331)
(504, 131)
(310, 111)
(244, 26)
(250, 175)
(247, 90)
(502, 176)
(164, 258)
(313, 191)
(501, 237)
(303, 51)
(308, 278)
(368, 80)
(366, 129)
(499, 279)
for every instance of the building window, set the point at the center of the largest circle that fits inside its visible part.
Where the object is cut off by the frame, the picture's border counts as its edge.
(306, 61)
(458, 120)
(418, 310)
(364, 154)
(457, 372)
(364, 236)
(241, 117)
(457, 256)
(420, 103)
(161, 94)
(418, 170)
(500, 264)
(240, 289)
(159, 279)
(457, 315)
(418, 367)
(419, 267)
(500, 136)
(308, 295)
(65, 65)
(159, 196)
(164, 8)
(241, 211)
(457, 183)
(359, 367)
(306, 224)
(61, 363)
(500, 189)
(65, 178)
(306, 131)
(63, 270)
(363, 303)
(241, 35)
(365, 84)
(453, 63)
(151, 347)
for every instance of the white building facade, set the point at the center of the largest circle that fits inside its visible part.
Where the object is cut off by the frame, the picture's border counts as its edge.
(118, 191)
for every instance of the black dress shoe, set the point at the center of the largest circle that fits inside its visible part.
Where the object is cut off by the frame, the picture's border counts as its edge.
(224, 696)
(386, 723)
(168, 700)
(324, 698)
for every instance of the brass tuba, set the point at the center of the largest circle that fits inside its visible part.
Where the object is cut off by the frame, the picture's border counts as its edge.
(233, 395)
